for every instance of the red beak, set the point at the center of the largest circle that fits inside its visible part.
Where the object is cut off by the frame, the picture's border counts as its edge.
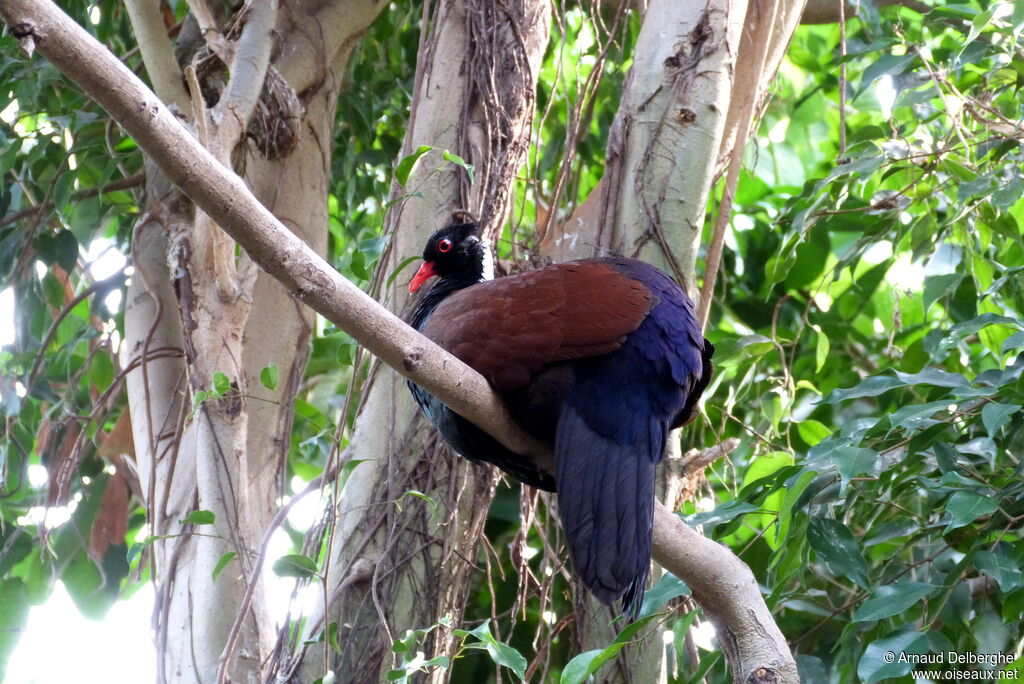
(426, 271)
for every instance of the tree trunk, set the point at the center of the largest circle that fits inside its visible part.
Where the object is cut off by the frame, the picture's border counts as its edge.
(402, 562)
(651, 200)
(215, 312)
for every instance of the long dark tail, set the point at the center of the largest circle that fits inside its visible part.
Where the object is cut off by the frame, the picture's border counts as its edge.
(606, 503)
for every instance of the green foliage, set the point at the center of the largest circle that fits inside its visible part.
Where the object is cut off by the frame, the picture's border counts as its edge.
(295, 565)
(479, 639)
(580, 668)
(269, 376)
(57, 149)
(870, 321)
(199, 518)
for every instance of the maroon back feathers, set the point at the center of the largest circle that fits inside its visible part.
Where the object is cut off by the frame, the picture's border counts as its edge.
(508, 329)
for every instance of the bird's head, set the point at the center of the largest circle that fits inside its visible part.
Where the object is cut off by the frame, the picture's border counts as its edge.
(454, 252)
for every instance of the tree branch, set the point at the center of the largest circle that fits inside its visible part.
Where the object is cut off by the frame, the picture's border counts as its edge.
(327, 28)
(132, 181)
(157, 52)
(248, 69)
(827, 11)
(724, 584)
(761, 17)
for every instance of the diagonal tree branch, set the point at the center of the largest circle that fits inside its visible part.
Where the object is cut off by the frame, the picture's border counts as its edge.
(724, 585)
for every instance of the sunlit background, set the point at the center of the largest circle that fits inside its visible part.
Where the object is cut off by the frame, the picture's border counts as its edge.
(119, 648)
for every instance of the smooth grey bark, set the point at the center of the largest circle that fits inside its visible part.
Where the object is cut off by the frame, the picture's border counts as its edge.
(401, 567)
(193, 310)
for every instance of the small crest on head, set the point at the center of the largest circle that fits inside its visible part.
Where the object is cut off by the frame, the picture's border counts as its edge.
(461, 217)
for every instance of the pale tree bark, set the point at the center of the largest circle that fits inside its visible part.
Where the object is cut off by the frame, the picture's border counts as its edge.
(227, 457)
(767, 31)
(651, 200)
(724, 586)
(827, 11)
(403, 565)
(693, 98)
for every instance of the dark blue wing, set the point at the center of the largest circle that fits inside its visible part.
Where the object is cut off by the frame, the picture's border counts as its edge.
(612, 432)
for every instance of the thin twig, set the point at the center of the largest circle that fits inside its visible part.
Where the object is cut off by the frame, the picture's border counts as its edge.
(842, 79)
(132, 181)
(110, 282)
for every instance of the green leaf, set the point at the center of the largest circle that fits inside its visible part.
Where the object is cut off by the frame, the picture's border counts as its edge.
(892, 599)
(372, 248)
(578, 669)
(812, 431)
(221, 384)
(198, 398)
(851, 462)
(456, 159)
(398, 269)
(937, 344)
(1014, 341)
(965, 507)
(780, 263)
(863, 167)
(332, 637)
(101, 372)
(358, 266)
(821, 349)
(347, 354)
(835, 545)
(295, 565)
(134, 554)
(978, 24)
(500, 652)
(664, 590)
(722, 513)
(420, 495)
(887, 657)
(585, 664)
(346, 472)
(269, 376)
(996, 415)
(886, 65)
(932, 376)
(59, 248)
(880, 384)
(980, 446)
(790, 501)
(1000, 567)
(14, 608)
(53, 290)
(198, 518)
(945, 457)
(915, 416)
(936, 287)
(869, 387)
(223, 563)
(407, 164)
(506, 656)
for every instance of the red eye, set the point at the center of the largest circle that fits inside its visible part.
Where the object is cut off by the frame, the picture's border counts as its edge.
(444, 246)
